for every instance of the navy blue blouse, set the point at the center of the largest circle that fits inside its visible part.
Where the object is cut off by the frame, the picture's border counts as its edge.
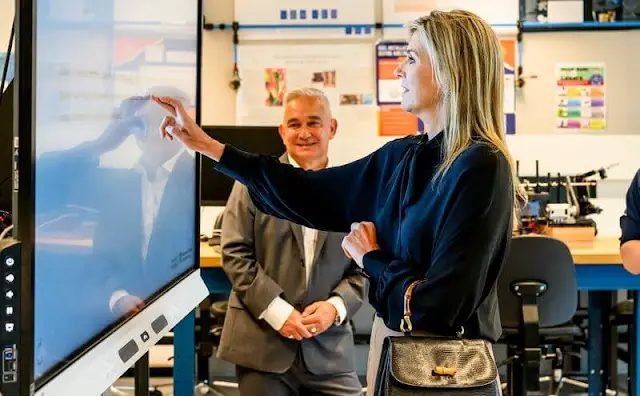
(453, 232)
(630, 220)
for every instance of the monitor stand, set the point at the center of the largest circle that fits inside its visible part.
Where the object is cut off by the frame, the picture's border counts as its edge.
(141, 384)
(141, 376)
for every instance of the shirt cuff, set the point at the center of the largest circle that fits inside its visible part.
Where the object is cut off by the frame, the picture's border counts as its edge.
(277, 313)
(337, 302)
(118, 294)
(375, 262)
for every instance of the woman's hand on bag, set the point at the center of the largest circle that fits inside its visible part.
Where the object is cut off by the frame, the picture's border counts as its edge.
(360, 241)
(181, 126)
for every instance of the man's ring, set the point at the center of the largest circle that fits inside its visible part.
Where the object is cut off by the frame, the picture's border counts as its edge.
(313, 329)
(291, 337)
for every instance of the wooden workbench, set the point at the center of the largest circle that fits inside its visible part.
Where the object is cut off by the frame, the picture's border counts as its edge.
(601, 251)
(209, 256)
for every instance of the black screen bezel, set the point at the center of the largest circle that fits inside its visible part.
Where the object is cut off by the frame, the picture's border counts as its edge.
(24, 197)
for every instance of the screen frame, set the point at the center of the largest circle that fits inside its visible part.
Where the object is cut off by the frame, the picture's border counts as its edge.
(24, 200)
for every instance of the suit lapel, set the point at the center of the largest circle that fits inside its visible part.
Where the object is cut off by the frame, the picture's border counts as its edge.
(322, 237)
(170, 198)
(297, 234)
(295, 228)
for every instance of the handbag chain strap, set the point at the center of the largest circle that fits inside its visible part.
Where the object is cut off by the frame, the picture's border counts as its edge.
(405, 324)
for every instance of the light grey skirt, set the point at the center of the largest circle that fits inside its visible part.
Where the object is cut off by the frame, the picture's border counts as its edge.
(379, 332)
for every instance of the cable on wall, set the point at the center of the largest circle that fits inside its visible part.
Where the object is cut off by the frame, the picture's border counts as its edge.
(235, 80)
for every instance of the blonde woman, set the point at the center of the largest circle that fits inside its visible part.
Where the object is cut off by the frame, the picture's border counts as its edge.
(434, 210)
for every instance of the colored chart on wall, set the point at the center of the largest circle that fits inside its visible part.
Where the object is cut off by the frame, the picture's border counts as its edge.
(493, 11)
(393, 121)
(269, 20)
(580, 101)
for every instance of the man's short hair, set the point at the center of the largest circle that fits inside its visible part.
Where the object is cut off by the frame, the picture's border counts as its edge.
(308, 92)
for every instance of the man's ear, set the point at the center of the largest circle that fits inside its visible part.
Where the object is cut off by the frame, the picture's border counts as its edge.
(333, 129)
(281, 132)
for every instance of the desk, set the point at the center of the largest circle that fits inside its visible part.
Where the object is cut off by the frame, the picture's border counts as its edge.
(598, 271)
(210, 256)
(602, 250)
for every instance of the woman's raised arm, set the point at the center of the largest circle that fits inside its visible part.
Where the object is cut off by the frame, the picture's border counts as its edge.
(329, 199)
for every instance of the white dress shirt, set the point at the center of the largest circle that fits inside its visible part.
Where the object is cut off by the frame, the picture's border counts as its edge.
(153, 189)
(279, 310)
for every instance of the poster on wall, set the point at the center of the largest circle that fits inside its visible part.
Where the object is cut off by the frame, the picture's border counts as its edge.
(580, 97)
(509, 55)
(269, 72)
(345, 73)
(393, 121)
(355, 18)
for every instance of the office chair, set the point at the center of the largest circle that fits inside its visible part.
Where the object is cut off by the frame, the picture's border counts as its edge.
(623, 315)
(538, 297)
(217, 230)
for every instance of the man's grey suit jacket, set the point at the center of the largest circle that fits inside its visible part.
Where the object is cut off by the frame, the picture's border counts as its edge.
(263, 257)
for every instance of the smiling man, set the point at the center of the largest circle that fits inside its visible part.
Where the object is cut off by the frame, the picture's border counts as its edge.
(287, 328)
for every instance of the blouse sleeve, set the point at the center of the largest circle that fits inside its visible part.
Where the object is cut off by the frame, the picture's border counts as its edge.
(466, 253)
(630, 220)
(329, 199)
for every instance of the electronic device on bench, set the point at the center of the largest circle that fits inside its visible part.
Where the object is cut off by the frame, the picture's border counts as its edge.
(560, 206)
(105, 212)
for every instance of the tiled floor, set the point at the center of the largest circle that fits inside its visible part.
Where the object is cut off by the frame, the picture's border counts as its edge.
(165, 387)
(224, 372)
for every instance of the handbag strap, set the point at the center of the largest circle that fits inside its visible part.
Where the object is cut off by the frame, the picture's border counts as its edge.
(405, 324)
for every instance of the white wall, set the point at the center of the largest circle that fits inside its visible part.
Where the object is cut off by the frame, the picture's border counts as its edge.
(218, 99)
(7, 8)
(566, 153)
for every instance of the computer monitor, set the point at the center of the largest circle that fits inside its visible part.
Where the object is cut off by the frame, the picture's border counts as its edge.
(215, 186)
(106, 211)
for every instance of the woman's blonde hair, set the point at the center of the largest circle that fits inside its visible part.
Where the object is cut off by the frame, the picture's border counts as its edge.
(467, 62)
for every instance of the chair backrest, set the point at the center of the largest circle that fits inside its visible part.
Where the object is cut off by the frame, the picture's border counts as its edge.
(217, 225)
(537, 258)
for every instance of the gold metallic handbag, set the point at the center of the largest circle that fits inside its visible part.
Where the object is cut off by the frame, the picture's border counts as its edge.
(433, 365)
